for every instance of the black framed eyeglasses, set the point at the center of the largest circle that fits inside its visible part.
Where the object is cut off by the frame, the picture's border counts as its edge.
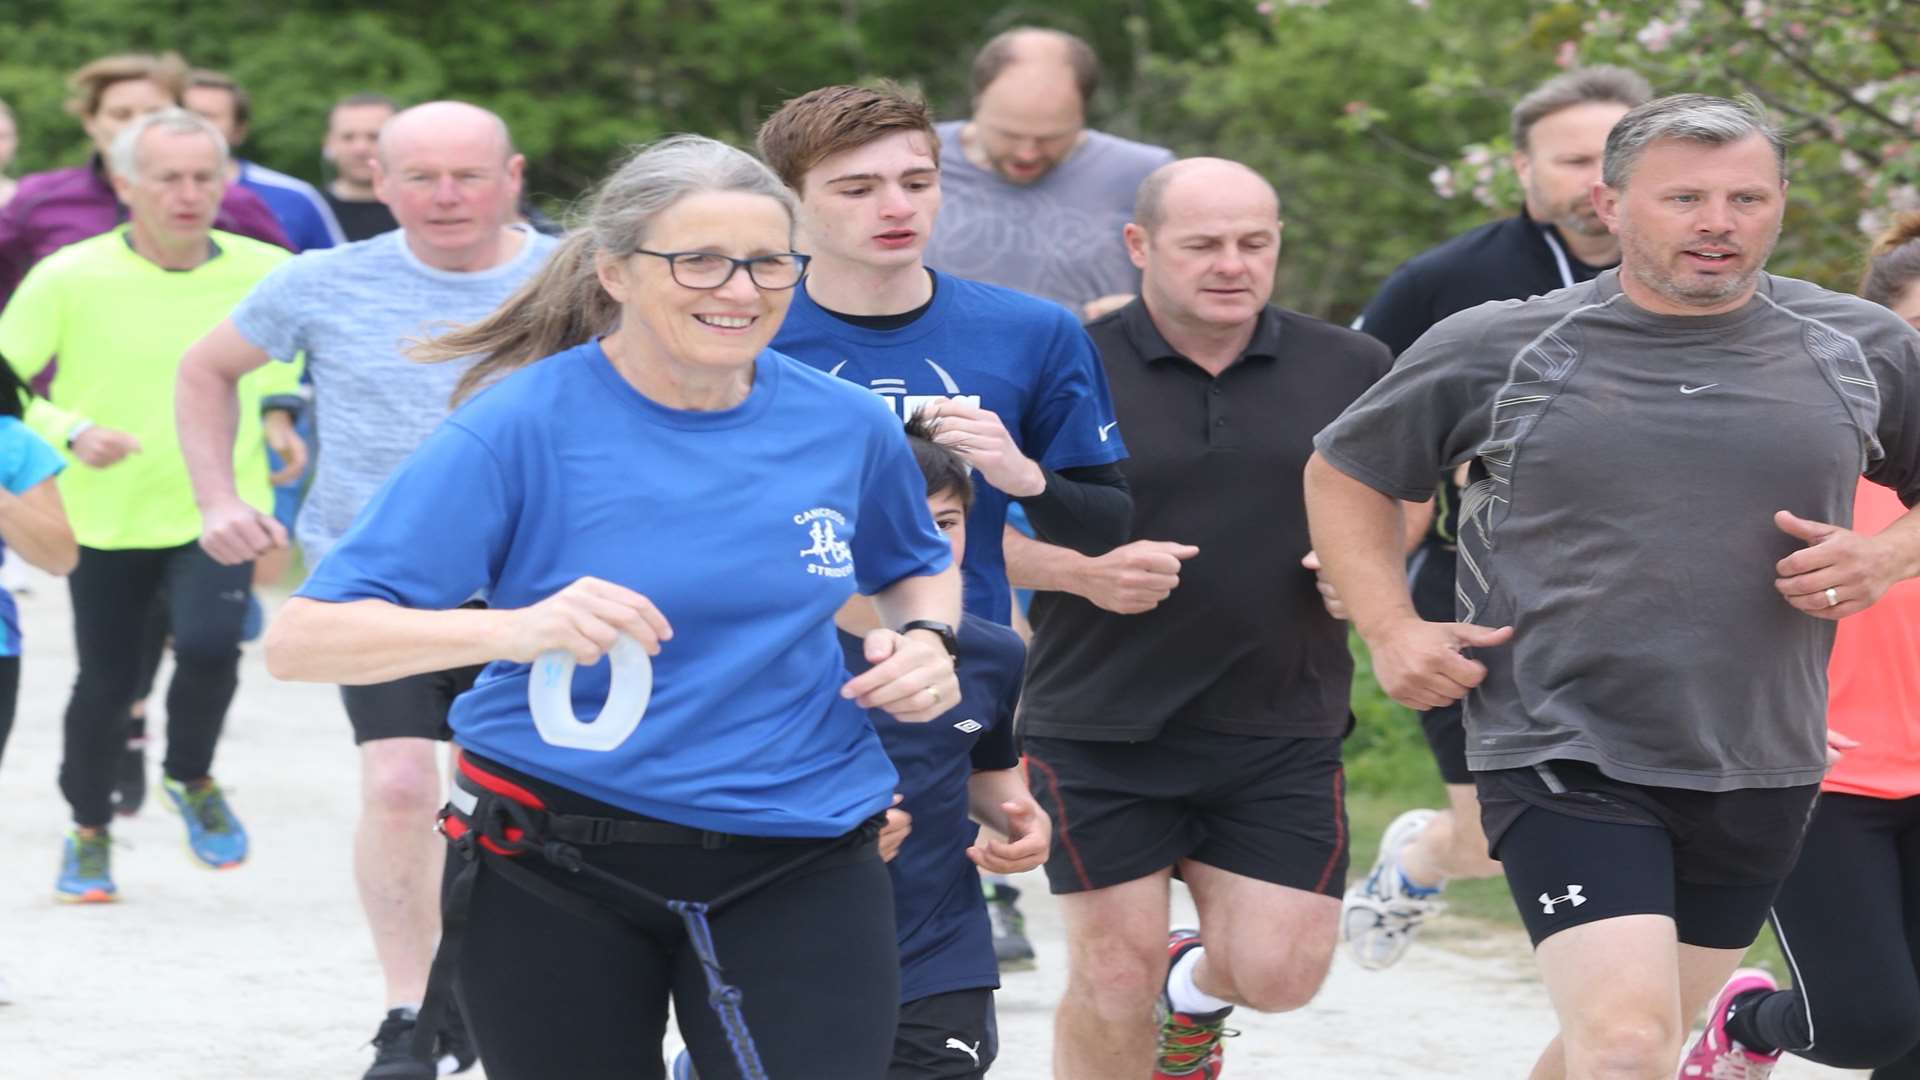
(708, 270)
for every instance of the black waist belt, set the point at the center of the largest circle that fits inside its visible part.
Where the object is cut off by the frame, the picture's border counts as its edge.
(493, 822)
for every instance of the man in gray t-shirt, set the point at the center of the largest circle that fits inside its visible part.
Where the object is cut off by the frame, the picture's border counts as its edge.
(1647, 581)
(1032, 199)
(449, 173)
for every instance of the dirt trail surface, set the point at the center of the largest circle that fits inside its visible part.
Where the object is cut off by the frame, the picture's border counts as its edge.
(265, 972)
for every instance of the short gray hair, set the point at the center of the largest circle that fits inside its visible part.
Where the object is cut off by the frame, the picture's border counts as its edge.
(124, 155)
(1694, 118)
(1602, 84)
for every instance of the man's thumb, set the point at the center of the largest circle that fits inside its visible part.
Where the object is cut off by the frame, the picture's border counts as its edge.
(880, 644)
(1481, 636)
(1811, 531)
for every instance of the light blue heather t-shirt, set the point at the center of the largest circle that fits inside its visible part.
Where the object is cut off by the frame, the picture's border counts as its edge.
(1056, 238)
(353, 310)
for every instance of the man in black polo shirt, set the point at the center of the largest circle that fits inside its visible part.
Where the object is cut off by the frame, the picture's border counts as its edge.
(1557, 240)
(1202, 734)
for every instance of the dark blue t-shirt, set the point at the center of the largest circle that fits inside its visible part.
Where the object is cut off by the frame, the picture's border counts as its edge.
(1023, 359)
(747, 527)
(946, 943)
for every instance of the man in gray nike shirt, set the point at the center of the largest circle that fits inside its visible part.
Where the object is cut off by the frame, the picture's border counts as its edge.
(1648, 574)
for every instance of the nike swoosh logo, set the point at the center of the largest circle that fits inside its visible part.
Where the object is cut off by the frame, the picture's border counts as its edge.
(1104, 428)
(1685, 389)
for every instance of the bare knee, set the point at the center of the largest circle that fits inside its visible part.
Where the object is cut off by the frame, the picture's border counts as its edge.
(1626, 1045)
(400, 779)
(1280, 983)
(1118, 983)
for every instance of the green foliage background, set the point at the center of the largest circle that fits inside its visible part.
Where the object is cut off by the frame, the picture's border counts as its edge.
(1348, 106)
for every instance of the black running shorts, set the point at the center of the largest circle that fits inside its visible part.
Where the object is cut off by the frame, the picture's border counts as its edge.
(1578, 846)
(949, 1036)
(413, 707)
(1272, 809)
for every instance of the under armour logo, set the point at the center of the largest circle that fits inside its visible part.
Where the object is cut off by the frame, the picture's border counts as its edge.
(971, 1051)
(1573, 896)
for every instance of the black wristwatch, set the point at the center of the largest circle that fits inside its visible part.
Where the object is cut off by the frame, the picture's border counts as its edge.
(947, 636)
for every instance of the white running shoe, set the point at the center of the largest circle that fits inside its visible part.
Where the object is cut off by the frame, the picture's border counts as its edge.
(1380, 916)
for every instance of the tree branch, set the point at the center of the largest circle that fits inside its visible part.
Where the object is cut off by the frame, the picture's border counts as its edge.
(1800, 64)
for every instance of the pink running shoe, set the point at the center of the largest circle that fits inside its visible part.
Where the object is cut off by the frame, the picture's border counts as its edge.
(1716, 1056)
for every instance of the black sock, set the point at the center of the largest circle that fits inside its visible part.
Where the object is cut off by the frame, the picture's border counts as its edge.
(1768, 1021)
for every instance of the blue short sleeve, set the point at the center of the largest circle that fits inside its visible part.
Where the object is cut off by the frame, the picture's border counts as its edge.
(273, 316)
(896, 537)
(1072, 422)
(433, 537)
(25, 458)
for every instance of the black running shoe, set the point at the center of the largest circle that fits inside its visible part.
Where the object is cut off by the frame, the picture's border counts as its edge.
(455, 1046)
(393, 1050)
(130, 778)
(1010, 945)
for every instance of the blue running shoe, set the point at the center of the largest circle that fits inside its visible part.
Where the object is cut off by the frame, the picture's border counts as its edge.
(214, 835)
(85, 874)
(256, 619)
(683, 1068)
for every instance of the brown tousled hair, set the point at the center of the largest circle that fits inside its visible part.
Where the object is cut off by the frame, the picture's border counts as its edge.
(1893, 263)
(818, 124)
(90, 83)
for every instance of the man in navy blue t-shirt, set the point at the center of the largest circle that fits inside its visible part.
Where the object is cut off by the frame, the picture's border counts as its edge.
(1011, 382)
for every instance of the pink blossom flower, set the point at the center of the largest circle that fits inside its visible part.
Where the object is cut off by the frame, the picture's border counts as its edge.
(1442, 181)
(1568, 54)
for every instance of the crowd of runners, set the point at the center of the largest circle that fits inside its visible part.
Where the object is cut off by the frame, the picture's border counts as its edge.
(909, 504)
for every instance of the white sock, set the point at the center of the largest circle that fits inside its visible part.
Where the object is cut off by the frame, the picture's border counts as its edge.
(1187, 997)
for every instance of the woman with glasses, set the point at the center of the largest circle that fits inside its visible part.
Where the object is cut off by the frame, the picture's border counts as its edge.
(632, 462)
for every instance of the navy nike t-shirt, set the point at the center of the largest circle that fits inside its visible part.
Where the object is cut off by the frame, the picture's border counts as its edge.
(1024, 359)
(946, 943)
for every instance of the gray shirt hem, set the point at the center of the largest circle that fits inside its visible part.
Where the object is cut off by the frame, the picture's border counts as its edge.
(1688, 779)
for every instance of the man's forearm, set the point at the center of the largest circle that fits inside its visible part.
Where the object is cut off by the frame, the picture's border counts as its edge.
(1358, 535)
(207, 414)
(1034, 564)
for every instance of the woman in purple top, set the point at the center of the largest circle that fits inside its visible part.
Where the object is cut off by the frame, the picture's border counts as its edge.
(50, 210)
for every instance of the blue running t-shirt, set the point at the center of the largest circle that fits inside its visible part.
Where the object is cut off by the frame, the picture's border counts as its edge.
(747, 528)
(946, 943)
(25, 460)
(1021, 358)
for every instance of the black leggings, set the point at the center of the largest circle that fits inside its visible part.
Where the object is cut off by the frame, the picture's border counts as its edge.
(549, 994)
(1848, 918)
(9, 697)
(112, 595)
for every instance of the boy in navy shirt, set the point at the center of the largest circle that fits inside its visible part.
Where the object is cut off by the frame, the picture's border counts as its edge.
(961, 768)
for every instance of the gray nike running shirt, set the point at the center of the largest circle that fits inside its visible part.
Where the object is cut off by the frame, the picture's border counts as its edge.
(1620, 514)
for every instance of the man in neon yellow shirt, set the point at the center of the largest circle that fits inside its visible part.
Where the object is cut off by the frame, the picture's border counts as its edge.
(119, 310)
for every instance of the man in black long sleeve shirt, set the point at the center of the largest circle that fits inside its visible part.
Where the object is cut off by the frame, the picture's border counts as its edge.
(1202, 734)
(1557, 241)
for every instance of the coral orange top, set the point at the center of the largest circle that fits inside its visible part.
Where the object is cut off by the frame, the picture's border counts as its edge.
(1874, 674)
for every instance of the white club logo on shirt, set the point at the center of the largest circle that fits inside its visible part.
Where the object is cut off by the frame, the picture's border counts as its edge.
(967, 726)
(827, 555)
(894, 391)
